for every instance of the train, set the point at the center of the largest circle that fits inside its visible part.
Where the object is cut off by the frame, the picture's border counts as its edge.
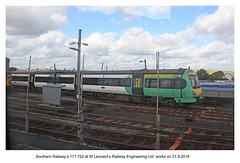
(8, 75)
(8, 79)
(215, 85)
(175, 85)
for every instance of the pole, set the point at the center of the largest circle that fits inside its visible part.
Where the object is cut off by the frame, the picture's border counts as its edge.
(145, 64)
(157, 53)
(82, 77)
(27, 102)
(157, 115)
(80, 131)
(81, 107)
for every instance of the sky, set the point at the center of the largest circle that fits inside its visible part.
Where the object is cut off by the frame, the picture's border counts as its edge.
(201, 37)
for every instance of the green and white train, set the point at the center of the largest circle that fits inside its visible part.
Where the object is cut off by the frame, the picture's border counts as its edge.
(176, 85)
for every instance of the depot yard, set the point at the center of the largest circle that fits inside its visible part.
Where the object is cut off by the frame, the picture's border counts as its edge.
(112, 124)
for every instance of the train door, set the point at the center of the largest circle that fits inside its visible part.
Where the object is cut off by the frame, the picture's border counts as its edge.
(57, 78)
(177, 91)
(31, 80)
(137, 85)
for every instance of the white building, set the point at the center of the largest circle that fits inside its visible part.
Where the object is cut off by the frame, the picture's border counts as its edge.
(228, 76)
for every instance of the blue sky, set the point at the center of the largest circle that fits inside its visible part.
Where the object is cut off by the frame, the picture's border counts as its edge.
(180, 18)
(121, 36)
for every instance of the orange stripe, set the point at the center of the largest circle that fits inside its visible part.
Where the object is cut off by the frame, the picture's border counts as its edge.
(178, 140)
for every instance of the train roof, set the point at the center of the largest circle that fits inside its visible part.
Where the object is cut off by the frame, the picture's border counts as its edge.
(143, 71)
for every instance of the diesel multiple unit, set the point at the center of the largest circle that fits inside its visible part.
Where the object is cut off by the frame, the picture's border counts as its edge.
(177, 85)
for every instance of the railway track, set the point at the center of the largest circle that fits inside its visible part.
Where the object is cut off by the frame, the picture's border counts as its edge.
(111, 132)
(135, 136)
(206, 113)
(119, 133)
(193, 113)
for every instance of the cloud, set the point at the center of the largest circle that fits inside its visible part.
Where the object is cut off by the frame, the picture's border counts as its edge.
(168, 42)
(44, 49)
(124, 53)
(131, 12)
(47, 45)
(34, 20)
(219, 24)
(175, 51)
(99, 44)
(135, 41)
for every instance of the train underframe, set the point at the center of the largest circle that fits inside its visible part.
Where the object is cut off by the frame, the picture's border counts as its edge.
(151, 100)
(135, 98)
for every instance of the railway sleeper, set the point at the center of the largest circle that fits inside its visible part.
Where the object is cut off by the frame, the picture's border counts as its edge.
(215, 145)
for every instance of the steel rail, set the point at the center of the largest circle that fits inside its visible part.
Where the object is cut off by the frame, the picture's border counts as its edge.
(68, 135)
(162, 124)
(219, 115)
(141, 136)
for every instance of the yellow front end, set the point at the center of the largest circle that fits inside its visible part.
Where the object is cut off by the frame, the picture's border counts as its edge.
(198, 91)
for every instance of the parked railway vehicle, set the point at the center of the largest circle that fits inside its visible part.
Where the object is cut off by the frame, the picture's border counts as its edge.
(8, 79)
(223, 86)
(175, 85)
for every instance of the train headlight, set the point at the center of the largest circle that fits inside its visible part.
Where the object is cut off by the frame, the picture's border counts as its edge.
(194, 93)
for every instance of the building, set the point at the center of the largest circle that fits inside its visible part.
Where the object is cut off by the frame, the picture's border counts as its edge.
(228, 76)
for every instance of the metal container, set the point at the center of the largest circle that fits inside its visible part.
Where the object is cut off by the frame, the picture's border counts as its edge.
(52, 94)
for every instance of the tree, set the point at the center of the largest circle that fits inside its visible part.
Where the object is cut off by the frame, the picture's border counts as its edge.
(216, 75)
(212, 77)
(13, 69)
(202, 74)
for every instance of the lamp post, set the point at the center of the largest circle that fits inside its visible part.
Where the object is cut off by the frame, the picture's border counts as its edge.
(27, 101)
(79, 102)
(145, 64)
(157, 113)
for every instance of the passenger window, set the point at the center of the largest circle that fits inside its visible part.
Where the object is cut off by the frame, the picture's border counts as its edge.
(113, 82)
(103, 82)
(147, 83)
(180, 84)
(44, 79)
(66, 80)
(125, 82)
(150, 83)
(166, 83)
(90, 81)
(19, 78)
(153, 83)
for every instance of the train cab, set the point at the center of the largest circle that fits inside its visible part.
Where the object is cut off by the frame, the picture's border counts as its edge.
(193, 91)
(195, 83)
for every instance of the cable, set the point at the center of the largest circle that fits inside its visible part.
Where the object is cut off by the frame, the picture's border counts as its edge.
(150, 65)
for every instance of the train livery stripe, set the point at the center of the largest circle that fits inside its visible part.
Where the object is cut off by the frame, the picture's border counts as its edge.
(160, 75)
(192, 73)
(106, 76)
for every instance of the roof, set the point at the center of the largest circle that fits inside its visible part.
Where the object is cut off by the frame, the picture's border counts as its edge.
(143, 71)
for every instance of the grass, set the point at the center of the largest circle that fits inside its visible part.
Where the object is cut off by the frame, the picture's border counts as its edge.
(212, 71)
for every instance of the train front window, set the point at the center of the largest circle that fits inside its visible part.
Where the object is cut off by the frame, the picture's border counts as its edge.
(194, 81)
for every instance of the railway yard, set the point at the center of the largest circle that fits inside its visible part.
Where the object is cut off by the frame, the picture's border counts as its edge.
(110, 124)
